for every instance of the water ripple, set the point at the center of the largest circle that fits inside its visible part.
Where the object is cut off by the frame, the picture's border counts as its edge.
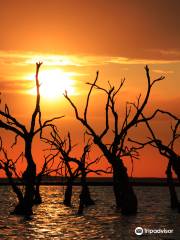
(52, 220)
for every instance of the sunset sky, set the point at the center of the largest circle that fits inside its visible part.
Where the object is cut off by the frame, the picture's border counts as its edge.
(74, 39)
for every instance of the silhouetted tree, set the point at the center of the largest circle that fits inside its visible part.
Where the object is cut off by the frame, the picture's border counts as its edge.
(10, 123)
(167, 150)
(47, 169)
(84, 197)
(75, 167)
(10, 169)
(125, 197)
(63, 148)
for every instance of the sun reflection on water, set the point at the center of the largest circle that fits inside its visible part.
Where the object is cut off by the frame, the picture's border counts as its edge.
(52, 220)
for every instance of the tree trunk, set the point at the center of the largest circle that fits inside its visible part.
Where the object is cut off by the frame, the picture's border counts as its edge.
(125, 197)
(81, 202)
(172, 191)
(175, 161)
(37, 197)
(16, 190)
(84, 197)
(29, 177)
(24, 207)
(68, 193)
(88, 201)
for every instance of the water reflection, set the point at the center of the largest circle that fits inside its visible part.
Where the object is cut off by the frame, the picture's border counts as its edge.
(52, 220)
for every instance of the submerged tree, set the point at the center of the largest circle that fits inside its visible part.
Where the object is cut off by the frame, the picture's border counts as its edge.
(75, 167)
(62, 149)
(124, 194)
(10, 169)
(10, 123)
(47, 169)
(167, 150)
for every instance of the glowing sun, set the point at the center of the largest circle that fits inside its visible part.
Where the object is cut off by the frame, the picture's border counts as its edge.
(53, 83)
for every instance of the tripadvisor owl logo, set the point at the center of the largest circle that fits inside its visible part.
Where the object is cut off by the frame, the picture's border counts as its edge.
(139, 231)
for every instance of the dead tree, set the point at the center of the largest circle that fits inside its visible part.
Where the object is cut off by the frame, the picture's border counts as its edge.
(75, 167)
(62, 149)
(10, 123)
(167, 150)
(47, 169)
(85, 199)
(172, 191)
(9, 167)
(125, 197)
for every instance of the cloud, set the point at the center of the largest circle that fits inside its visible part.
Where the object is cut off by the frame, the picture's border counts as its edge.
(120, 60)
(170, 52)
(19, 86)
(13, 58)
(160, 71)
(166, 54)
(29, 58)
(19, 63)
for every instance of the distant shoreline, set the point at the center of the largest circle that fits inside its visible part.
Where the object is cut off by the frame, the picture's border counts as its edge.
(94, 181)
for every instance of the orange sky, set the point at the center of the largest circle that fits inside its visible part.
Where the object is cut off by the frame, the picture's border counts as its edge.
(74, 39)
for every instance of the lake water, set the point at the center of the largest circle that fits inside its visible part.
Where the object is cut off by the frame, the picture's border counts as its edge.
(52, 220)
